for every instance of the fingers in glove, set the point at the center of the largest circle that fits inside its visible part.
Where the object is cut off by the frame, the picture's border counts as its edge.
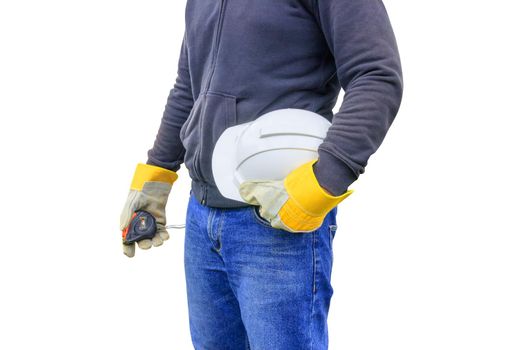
(145, 244)
(157, 240)
(163, 234)
(129, 250)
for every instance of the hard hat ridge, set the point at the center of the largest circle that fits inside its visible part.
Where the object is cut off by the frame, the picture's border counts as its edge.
(268, 148)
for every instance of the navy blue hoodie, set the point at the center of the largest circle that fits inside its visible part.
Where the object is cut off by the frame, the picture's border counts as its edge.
(240, 59)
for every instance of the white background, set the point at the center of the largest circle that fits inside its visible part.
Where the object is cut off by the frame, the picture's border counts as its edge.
(430, 249)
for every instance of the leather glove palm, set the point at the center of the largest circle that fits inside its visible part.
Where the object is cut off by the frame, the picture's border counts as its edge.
(296, 204)
(149, 192)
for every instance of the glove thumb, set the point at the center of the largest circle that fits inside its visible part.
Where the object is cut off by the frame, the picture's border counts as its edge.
(260, 192)
(249, 191)
(130, 207)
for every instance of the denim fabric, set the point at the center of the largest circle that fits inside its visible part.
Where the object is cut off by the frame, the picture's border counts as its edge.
(251, 286)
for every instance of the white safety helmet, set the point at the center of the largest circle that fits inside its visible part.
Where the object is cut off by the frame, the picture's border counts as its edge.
(268, 148)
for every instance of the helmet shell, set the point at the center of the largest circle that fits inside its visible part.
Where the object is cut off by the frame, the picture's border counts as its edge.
(268, 148)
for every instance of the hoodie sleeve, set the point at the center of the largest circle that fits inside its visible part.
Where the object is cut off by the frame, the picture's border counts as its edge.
(168, 151)
(362, 42)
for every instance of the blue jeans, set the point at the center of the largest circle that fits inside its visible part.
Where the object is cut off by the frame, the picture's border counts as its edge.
(251, 286)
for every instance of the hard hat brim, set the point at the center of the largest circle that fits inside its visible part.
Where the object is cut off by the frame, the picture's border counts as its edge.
(224, 163)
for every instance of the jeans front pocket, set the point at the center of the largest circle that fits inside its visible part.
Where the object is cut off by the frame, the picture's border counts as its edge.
(258, 218)
(212, 113)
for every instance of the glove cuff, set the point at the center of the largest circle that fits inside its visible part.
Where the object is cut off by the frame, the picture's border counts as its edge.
(151, 173)
(306, 193)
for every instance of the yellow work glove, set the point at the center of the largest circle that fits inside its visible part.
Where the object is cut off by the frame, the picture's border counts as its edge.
(296, 204)
(149, 192)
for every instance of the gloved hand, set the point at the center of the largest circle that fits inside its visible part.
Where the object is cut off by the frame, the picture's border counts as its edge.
(149, 192)
(296, 204)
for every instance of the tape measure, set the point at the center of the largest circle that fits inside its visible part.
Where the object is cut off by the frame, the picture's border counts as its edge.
(143, 226)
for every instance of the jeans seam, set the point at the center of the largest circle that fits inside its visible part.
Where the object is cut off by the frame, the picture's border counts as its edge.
(209, 228)
(219, 232)
(209, 222)
(314, 275)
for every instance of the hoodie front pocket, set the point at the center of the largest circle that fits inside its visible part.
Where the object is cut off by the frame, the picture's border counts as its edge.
(212, 113)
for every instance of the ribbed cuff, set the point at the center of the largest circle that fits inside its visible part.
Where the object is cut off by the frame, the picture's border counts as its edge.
(333, 174)
(173, 166)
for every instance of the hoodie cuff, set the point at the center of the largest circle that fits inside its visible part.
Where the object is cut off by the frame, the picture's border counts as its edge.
(333, 174)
